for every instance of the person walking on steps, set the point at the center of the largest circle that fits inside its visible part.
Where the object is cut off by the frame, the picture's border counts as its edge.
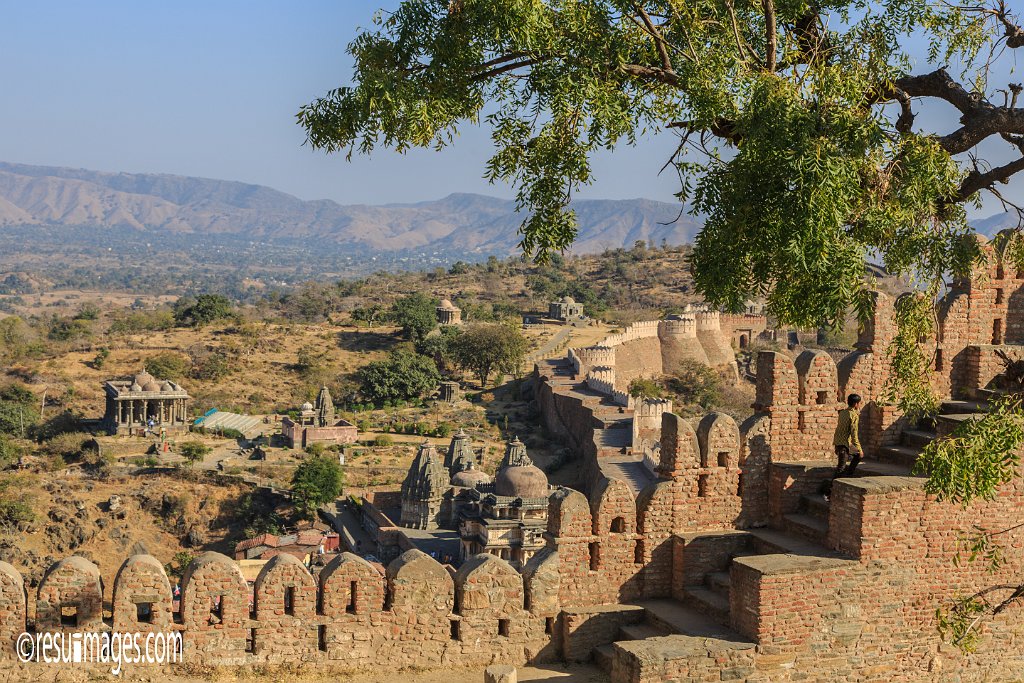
(846, 442)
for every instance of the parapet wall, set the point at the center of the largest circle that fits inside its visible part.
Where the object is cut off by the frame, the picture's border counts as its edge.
(872, 609)
(350, 617)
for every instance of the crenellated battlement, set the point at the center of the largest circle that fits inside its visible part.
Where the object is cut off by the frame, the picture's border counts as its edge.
(601, 379)
(352, 614)
(679, 328)
(709, 321)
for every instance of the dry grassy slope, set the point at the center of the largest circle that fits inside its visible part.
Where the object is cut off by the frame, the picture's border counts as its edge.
(73, 518)
(264, 378)
(659, 280)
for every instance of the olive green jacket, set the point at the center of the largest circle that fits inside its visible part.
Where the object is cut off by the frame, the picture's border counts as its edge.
(846, 430)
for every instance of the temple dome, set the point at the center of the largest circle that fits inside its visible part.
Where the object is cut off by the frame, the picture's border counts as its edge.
(306, 406)
(568, 300)
(527, 481)
(446, 305)
(143, 378)
(166, 387)
(470, 478)
(135, 387)
(151, 385)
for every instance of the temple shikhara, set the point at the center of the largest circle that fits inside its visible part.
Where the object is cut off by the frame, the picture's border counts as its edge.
(693, 549)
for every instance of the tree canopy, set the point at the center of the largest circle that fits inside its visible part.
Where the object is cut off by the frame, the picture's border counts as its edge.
(318, 480)
(401, 376)
(795, 122)
(203, 310)
(485, 347)
(415, 314)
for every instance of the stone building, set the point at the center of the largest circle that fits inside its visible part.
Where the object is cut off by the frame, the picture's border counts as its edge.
(448, 313)
(565, 309)
(316, 423)
(424, 490)
(506, 519)
(448, 392)
(133, 405)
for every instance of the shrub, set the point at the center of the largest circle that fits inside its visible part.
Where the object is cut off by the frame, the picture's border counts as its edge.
(193, 451)
(383, 440)
(168, 365)
(695, 383)
(316, 449)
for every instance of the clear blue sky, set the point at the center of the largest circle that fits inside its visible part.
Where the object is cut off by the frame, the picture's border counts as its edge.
(211, 89)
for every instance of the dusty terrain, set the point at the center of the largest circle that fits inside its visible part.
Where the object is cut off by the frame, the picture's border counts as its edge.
(74, 515)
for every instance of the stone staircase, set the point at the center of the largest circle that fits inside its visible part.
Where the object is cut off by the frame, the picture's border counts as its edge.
(913, 440)
(810, 522)
(811, 519)
(710, 597)
(630, 469)
(666, 620)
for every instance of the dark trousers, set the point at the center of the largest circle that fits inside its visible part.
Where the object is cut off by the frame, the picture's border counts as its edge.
(847, 464)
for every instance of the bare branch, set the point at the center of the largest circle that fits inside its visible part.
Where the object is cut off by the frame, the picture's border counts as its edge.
(977, 180)
(659, 39)
(980, 118)
(771, 39)
(652, 73)
(497, 71)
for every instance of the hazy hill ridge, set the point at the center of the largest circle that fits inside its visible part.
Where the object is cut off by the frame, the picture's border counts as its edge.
(157, 203)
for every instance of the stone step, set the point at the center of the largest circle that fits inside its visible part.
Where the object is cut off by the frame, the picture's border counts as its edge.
(641, 631)
(952, 407)
(777, 542)
(876, 468)
(604, 655)
(802, 524)
(904, 456)
(680, 619)
(707, 602)
(917, 438)
(815, 505)
(719, 582)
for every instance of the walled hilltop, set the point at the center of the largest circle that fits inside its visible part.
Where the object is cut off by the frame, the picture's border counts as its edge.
(653, 348)
(722, 564)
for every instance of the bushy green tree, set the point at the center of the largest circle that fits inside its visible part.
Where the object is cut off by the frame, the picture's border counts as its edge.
(370, 315)
(645, 387)
(168, 365)
(487, 347)
(193, 451)
(694, 383)
(316, 481)
(203, 310)
(416, 314)
(19, 410)
(440, 346)
(401, 376)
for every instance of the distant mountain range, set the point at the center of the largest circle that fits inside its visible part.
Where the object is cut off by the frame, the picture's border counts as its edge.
(155, 204)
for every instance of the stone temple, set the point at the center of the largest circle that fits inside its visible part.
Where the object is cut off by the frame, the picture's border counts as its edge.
(136, 404)
(448, 313)
(316, 423)
(507, 518)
